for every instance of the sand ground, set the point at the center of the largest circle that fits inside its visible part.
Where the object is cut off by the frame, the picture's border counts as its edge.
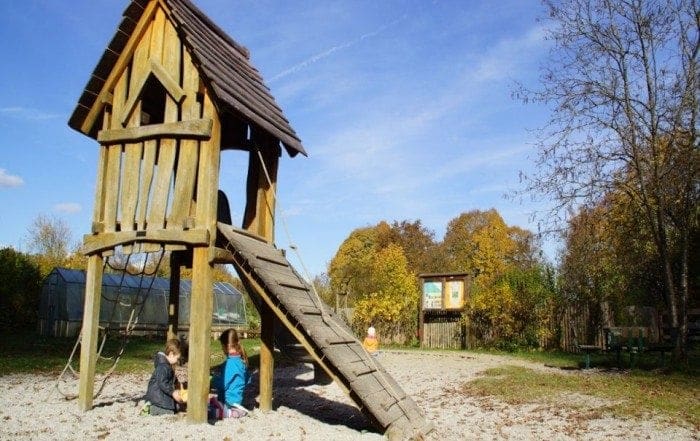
(32, 407)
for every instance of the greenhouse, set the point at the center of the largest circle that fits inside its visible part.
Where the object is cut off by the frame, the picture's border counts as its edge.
(143, 300)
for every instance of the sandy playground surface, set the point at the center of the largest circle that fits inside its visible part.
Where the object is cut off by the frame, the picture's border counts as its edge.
(32, 408)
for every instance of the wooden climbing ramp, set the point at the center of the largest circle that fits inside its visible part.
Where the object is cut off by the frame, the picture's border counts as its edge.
(329, 341)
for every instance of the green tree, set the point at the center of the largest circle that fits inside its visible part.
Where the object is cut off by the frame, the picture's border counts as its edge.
(20, 288)
(392, 305)
(371, 273)
(350, 268)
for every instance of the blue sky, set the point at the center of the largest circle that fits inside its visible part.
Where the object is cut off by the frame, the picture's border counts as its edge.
(404, 107)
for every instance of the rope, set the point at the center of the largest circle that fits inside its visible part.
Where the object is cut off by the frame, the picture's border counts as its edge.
(324, 315)
(130, 325)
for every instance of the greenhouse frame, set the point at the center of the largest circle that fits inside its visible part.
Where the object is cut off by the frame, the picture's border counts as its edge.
(146, 298)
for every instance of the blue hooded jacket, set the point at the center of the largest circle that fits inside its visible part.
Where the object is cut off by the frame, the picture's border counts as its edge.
(231, 381)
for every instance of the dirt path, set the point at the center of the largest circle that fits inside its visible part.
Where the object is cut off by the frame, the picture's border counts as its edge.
(32, 408)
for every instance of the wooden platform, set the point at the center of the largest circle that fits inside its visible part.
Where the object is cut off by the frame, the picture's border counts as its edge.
(327, 338)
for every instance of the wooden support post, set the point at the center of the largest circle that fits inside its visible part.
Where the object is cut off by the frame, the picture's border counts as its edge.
(201, 304)
(174, 297)
(201, 301)
(91, 322)
(259, 218)
(267, 361)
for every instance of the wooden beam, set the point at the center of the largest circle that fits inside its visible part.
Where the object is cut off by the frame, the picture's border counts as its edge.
(202, 283)
(194, 129)
(108, 240)
(169, 83)
(201, 305)
(267, 360)
(119, 67)
(88, 342)
(259, 215)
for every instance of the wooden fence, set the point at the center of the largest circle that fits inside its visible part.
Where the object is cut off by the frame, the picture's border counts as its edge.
(444, 331)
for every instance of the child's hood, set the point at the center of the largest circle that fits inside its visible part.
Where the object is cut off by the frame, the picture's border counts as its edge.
(160, 358)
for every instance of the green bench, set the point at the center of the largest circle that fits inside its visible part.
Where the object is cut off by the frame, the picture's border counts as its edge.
(633, 340)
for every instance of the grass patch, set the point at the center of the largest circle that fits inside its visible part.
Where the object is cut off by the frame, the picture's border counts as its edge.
(26, 352)
(674, 396)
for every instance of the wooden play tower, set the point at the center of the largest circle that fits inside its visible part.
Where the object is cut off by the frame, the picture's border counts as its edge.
(170, 92)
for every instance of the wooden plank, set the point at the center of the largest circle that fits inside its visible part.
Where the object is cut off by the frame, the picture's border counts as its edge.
(100, 187)
(189, 154)
(193, 129)
(88, 342)
(344, 354)
(165, 48)
(148, 165)
(366, 385)
(100, 242)
(169, 83)
(112, 187)
(130, 185)
(161, 189)
(113, 172)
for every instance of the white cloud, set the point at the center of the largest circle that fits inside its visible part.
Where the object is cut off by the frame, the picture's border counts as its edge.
(8, 180)
(27, 113)
(508, 56)
(68, 207)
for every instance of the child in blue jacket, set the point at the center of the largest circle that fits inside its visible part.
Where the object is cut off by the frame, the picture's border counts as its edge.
(230, 382)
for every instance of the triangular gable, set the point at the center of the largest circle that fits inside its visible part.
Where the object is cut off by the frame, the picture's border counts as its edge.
(237, 87)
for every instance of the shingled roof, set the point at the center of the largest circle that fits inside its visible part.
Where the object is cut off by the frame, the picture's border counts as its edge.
(224, 64)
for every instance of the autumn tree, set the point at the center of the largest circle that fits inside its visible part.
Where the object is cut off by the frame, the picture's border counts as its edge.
(350, 268)
(623, 83)
(418, 244)
(392, 304)
(371, 274)
(512, 292)
(49, 241)
(481, 241)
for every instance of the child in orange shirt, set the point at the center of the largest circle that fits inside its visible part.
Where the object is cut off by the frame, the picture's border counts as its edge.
(371, 342)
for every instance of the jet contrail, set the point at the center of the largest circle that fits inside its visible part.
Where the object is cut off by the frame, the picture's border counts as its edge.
(311, 60)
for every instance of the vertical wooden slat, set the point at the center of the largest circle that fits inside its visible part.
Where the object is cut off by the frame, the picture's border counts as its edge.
(100, 187)
(112, 175)
(148, 166)
(168, 53)
(202, 283)
(188, 158)
(130, 186)
(112, 187)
